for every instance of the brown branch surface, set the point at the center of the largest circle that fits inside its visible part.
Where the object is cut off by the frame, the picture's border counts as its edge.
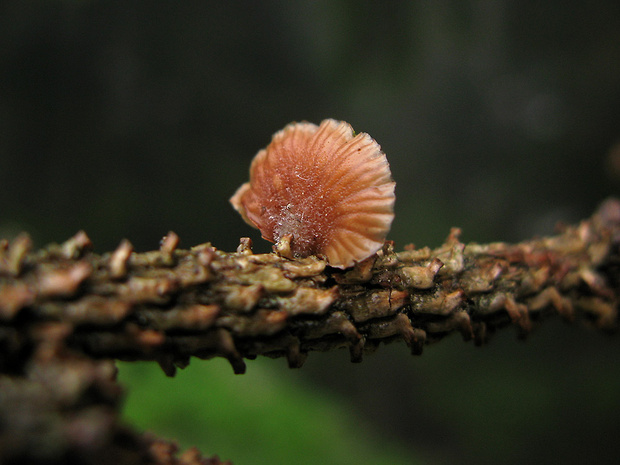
(65, 312)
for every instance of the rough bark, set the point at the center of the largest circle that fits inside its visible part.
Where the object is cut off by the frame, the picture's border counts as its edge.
(66, 313)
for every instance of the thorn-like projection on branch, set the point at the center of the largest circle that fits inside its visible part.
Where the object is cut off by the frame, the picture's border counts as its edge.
(171, 304)
(320, 190)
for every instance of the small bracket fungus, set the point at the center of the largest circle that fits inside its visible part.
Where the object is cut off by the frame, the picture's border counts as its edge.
(320, 190)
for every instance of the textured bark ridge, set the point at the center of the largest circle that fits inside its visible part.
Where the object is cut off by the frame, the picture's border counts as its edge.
(171, 304)
(66, 313)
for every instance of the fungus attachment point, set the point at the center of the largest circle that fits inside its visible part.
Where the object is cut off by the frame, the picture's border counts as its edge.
(320, 190)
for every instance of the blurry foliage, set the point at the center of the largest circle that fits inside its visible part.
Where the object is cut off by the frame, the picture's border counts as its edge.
(132, 118)
(265, 417)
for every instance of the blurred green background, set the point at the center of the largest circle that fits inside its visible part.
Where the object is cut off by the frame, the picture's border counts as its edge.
(133, 118)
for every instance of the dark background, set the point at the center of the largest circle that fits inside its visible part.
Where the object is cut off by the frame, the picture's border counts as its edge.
(133, 118)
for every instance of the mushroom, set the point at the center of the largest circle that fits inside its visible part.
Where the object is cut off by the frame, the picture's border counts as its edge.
(320, 190)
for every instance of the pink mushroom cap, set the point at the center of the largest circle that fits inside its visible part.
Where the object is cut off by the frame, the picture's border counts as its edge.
(328, 191)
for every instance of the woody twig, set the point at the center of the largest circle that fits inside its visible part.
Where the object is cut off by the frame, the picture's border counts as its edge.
(171, 304)
(66, 313)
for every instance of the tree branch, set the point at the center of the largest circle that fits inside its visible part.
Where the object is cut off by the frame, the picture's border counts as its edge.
(170, 304)
(66, 311)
